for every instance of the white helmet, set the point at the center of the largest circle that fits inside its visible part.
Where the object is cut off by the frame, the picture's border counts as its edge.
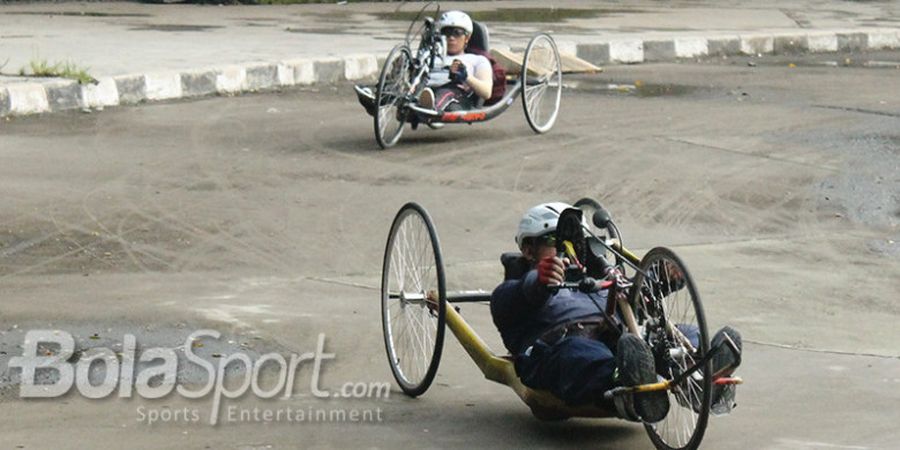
(541, 220)
(457, 19)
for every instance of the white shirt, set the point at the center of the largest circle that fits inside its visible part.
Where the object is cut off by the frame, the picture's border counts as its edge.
(441, 73)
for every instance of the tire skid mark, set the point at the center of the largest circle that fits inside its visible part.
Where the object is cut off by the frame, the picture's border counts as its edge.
(453, 173)
(127, 247)
(751, 155)
(76, 227)
(166, 218)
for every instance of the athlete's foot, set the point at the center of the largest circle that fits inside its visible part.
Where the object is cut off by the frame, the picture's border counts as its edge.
(426, 99)
(635, 363)
(723, 395)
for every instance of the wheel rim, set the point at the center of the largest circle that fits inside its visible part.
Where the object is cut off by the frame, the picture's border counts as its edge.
(413, 300)
(392, 86)
(541, 83)
(682, 311)
(416, 28)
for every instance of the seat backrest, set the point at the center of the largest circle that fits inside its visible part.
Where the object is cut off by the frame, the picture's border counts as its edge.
(515, 265)
(480, 37)
(479, 44)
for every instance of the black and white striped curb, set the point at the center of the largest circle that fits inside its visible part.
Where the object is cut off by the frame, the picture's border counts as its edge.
(37, 98)
(631, 51)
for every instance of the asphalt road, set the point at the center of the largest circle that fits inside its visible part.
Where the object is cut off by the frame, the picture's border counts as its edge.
(265, 216)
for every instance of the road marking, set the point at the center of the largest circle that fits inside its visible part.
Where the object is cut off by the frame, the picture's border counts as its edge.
(769, 157)
(818, 350)
(343, 283)
(794, 443)
(858, 110)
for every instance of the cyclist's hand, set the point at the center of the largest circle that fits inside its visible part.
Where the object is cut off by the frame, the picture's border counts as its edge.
(551, 271)
(458, 72)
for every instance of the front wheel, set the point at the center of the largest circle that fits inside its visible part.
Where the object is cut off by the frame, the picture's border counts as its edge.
(390, 96)
(671, 319)
(541, 83)
(413, 300)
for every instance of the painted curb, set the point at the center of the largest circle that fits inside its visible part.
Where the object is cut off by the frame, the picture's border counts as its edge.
(102, 94)
(37, 98)
(131, 88)
(261, 76)
(4, 102)
(27, 98)
(198, 83)
(724, 45)
(822, 42)
(329, 70)
(627, 51)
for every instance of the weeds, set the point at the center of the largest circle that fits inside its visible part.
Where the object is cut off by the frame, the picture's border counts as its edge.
(41, 68)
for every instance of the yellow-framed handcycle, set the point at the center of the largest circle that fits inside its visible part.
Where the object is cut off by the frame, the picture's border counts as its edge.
(662, 300)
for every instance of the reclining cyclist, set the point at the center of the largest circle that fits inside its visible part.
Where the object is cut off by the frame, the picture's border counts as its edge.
(460, 79)
(563, 342)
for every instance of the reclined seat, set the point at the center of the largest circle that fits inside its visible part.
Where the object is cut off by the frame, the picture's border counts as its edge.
(480, 37)
(515, 266)
(479, 44)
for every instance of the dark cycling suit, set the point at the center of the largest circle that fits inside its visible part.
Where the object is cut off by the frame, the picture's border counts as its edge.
(576, 369)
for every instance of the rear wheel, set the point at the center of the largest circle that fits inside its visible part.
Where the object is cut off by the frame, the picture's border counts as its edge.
(541, 83)
(390, 96)
(413, 300)
(671, 319)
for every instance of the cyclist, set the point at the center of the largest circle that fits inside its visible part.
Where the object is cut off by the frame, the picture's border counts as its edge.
(563, 342)
(460, 78)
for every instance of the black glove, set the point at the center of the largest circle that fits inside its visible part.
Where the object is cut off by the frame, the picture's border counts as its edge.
(460, 75)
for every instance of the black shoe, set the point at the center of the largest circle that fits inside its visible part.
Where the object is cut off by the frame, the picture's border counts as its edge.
(635, 363)
(366, 98)
(722, 359)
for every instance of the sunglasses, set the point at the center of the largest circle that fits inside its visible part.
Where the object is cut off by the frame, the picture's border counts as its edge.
(454, 32)
(547, 239)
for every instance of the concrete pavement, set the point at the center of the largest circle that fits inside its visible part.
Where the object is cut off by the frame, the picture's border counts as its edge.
(264, 217)
(140, 52)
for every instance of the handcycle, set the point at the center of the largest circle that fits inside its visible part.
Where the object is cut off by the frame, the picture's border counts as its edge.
(393, 101)
(661, 303)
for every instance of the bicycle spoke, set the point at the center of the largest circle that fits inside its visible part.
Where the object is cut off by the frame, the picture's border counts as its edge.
(411, 319)
(542, 71)
(678, 334)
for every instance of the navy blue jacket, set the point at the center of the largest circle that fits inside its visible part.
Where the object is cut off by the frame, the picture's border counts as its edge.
(524, 309)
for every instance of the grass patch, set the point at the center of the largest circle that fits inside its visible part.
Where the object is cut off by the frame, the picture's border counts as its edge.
(41, 68)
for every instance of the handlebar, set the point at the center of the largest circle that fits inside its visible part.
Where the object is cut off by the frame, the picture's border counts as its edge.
(614, 277)
(586, 285)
